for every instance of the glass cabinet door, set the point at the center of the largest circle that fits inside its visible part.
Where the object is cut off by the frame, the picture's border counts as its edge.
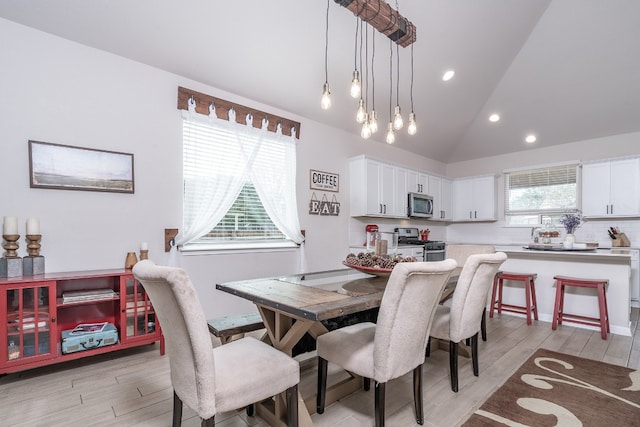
(30, 328)
(138, 317)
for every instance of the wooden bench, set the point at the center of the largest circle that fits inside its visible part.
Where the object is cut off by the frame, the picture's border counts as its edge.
(233, 327)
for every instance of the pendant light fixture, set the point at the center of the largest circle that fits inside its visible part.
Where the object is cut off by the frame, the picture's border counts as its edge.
(365, 132)
(355, 81)
(390, 137)
(413, 127)
(373, 117)
(325, 101)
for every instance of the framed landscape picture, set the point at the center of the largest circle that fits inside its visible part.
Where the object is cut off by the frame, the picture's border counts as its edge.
(75, 168)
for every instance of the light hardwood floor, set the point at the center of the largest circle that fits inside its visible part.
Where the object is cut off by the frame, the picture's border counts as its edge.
(132, 387)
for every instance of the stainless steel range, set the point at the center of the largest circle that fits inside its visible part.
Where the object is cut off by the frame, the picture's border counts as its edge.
(433, 249)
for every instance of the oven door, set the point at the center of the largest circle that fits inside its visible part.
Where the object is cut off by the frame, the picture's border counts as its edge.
(434, 255)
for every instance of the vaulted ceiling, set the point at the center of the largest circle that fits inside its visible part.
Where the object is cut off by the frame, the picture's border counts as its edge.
(564, 70)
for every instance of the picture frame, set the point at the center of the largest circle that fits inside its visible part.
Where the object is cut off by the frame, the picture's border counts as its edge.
(66, 167)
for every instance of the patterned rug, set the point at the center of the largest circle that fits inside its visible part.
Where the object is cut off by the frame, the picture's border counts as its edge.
(555, 389)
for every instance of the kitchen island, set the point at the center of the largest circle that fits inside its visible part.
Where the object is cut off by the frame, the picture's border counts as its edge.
(613, 265)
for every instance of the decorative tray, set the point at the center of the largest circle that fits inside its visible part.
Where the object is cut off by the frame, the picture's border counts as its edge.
(380, 272)
(558, 248)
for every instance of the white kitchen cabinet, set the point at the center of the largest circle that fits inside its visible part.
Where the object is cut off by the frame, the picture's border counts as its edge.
(440, 189)
(611, 188)
(372, 188)
(401, 202)
(474, 199)
(417, 182)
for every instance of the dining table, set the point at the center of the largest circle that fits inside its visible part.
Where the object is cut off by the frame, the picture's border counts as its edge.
(298, 304)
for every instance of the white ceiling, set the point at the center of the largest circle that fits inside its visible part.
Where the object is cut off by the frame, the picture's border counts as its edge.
(566, 70)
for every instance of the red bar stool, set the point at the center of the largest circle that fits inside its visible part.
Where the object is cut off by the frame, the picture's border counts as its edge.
(558, 312)
(529, 291)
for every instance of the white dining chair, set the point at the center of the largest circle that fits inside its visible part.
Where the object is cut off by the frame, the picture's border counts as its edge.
(395, 344)
(212, 380)
(462, 319)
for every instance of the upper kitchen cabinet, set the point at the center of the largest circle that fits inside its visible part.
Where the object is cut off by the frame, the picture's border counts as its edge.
(611, 188)
(440, 189)
(372, 188)
(474, 199)
(418, 182)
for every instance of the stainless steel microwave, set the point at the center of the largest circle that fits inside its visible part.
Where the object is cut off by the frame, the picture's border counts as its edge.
(420, 205)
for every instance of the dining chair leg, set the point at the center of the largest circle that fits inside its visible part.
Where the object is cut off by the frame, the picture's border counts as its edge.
(379, 403)
(366, 384)
(417, 394)
(427, 352)
(250, 410)
(453, 365)
(483, 325)
(209, 422)
(322, 385)
(474, 354)
(292, 406)
(177, 411)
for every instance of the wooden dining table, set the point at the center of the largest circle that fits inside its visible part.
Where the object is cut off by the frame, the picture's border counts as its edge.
(294, 305)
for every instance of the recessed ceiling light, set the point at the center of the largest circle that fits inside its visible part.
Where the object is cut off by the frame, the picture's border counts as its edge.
(494, 117)
(530, 139)
(448, 75)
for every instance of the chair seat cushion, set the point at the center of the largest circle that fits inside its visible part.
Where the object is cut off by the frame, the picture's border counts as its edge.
(350, 347)
(241, 376)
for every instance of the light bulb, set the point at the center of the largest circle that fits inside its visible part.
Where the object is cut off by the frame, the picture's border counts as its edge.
(413, 128)
(397, 119)
(373, 121)
(366, 130)
(391, 138)
(355, 84)
(361, 114)
(325, 102)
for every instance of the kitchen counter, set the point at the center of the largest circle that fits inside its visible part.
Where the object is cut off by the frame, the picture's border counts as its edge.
(612, 264)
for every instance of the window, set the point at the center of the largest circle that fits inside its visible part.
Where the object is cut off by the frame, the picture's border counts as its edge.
(239, 185)
(539, 196)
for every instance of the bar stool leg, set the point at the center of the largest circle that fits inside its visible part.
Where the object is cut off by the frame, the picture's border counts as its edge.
(556, 307)
(604, 320)
(534, 301)
(527, 292)
(500, 284)
(493, 295)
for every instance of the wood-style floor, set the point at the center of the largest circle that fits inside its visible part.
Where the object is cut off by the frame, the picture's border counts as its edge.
(132, 387)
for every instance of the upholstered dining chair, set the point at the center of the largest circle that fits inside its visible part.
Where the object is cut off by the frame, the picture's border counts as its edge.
(462, 319)
(395, 344)
(460, 252)
(212, 380)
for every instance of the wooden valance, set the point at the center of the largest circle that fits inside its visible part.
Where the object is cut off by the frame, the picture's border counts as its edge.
(222, 107)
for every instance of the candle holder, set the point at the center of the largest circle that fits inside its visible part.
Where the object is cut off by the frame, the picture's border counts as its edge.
(10, 263)
(144, 254)
(33, 264)
(33, 245)
(10, 245)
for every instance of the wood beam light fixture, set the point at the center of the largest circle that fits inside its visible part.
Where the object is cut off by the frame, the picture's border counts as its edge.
(383, 18)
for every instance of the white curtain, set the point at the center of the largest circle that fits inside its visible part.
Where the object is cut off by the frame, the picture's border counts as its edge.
(267, 158)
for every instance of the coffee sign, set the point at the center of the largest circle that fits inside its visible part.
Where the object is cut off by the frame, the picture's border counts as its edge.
(324, 181)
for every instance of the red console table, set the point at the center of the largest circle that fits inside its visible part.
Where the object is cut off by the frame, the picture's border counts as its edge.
(34, 310)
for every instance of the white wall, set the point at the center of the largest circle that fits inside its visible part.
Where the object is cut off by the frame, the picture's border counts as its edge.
(57, 91)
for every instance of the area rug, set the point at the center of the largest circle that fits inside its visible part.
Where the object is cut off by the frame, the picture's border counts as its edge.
(555, 389)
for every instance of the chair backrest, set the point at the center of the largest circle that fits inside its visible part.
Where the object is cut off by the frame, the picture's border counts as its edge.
(470, 295)
(187, 339)
(406, 313)
(461, 252)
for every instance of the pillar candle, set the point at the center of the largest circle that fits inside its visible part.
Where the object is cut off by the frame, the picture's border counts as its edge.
(33, 226)
(10, 225)
(144, 246)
